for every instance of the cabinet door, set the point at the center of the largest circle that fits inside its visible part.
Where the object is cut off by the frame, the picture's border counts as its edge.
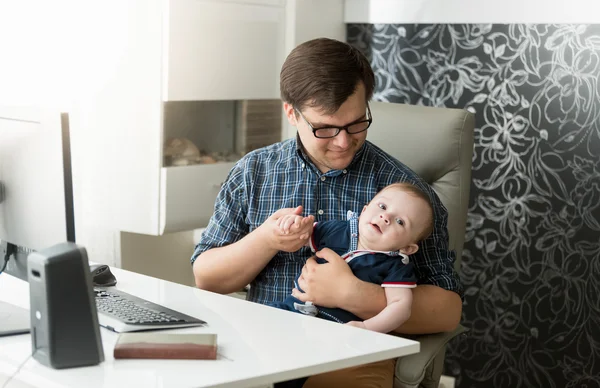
(188, 195)
(215, 50)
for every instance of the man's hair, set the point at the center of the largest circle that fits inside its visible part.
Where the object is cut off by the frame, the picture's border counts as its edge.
(322, 73)
(418, 193)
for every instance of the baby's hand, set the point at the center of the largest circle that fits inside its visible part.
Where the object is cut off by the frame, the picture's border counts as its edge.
(272, 235)
(357, 324)
(286, 223)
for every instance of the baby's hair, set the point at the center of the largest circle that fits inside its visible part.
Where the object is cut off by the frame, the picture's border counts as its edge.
(416, 192)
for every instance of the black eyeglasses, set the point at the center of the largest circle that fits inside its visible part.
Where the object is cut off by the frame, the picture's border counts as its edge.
(332, 131)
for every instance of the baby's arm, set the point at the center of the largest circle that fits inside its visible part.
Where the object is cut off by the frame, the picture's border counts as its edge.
(397, 311)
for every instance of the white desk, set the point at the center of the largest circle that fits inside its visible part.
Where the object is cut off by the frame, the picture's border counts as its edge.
(258, 345)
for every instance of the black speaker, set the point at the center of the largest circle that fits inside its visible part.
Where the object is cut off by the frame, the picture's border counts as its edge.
(64, 319)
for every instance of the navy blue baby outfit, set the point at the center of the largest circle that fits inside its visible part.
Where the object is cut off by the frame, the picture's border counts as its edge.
(388, 269)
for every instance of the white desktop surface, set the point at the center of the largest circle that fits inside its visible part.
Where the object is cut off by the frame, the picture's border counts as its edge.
(258, 345)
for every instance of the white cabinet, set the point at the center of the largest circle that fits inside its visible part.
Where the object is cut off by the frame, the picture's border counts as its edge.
(188, 195)
(149, 53)
(219, 50)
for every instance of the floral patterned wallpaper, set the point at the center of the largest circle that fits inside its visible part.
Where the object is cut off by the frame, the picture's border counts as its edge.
(531, 261)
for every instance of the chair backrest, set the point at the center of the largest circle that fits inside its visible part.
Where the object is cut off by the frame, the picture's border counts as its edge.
(436, 143)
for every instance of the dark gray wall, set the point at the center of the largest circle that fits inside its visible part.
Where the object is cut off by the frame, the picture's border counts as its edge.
(531, 260)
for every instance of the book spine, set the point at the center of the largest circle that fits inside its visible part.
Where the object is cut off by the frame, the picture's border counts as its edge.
(183, 352)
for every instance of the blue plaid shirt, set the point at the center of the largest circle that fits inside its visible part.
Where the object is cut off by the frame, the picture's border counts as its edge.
(282, 176)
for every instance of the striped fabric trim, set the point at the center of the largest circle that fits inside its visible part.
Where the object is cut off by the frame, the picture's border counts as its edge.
(348, 257)
(400, 285)
(352, 218)
(311, 242)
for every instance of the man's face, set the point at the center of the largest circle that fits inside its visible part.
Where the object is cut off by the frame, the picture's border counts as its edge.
(337, 152)
(392, 221)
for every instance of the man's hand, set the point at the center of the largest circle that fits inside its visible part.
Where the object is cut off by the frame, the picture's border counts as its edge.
(325, 284)
(297, 236)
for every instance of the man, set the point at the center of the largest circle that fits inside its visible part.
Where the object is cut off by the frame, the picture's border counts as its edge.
(328, 169)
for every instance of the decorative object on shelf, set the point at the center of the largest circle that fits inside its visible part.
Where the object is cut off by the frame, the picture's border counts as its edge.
(180, 151)
(259, 124)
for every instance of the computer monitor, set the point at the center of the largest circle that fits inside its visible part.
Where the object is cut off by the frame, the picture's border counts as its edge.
(36, 187)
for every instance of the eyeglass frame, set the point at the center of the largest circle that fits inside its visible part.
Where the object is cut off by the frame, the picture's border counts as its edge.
(339, 129)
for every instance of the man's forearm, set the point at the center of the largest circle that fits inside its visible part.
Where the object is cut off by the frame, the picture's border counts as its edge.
(228, 269)
(363, 299)
(434, 309)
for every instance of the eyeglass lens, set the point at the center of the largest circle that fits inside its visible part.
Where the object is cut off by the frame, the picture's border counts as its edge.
(353, 128)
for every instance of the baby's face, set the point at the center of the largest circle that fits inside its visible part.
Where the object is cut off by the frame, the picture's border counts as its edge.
(392, 220)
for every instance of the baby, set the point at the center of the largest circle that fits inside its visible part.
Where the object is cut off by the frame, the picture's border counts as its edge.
(376, 246)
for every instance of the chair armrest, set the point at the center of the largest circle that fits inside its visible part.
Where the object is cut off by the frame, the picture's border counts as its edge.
(410, 370)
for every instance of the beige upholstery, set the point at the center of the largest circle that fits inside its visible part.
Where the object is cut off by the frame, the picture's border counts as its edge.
(437, 143)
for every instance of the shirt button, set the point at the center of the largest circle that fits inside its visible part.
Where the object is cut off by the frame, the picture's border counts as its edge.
(354, 235)
(320, 212)
(303, 165)
(323, 178)
(345, 171)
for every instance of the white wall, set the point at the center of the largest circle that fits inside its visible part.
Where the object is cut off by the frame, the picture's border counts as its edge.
(471, 11)
(39, 35)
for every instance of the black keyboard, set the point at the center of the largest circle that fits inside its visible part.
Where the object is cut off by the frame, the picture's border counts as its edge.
(121, 312)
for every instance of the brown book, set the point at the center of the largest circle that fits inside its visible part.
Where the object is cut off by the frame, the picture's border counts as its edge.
(166, 346)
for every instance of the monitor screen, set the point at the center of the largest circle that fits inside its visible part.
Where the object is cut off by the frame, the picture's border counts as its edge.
(36, 193)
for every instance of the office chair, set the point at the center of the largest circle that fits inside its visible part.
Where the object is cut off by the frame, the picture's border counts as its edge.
(436, 143)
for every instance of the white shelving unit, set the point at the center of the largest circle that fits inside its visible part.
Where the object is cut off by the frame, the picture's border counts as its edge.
(217, 50)
(176, 50)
